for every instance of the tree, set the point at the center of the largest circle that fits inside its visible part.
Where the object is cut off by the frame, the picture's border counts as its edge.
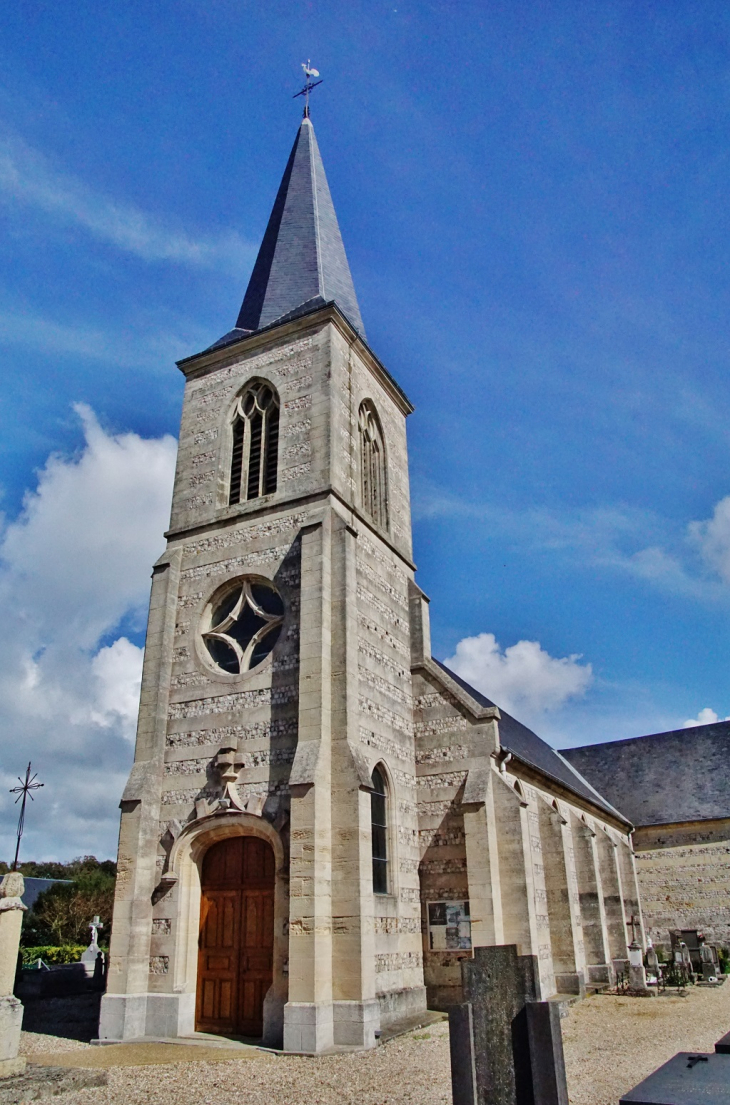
(50, 869)
(61, 914)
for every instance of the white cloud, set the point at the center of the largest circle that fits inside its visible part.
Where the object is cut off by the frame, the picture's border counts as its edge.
(523, 677)
(28, 177)
(79, 557)
(117, 671)
(74, 565)
(712, 538)
(704, 717)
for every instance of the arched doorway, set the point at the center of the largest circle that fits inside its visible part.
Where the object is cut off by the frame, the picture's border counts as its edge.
(235, 958)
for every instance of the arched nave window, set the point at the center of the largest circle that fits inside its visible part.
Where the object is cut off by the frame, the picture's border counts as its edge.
(379, 825)
(254, 456)
(373, 476)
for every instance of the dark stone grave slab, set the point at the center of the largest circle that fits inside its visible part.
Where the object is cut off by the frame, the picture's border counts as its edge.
(463, 1071)
(689, 1078)
(74, 1018)
(547, 1062)
(723, 1044)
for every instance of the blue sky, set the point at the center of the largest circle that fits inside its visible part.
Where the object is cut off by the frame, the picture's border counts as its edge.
(534, 204)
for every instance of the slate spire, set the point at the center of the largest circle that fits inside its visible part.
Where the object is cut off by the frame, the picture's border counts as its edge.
(302, 262)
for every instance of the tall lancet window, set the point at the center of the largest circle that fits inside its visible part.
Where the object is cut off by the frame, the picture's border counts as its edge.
(379, 827)
(373, 475)
(255, 451)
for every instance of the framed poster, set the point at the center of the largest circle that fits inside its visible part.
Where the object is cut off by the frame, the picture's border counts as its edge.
(449, 926)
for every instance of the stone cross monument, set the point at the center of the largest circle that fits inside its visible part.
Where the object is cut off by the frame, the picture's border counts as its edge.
(90, 956)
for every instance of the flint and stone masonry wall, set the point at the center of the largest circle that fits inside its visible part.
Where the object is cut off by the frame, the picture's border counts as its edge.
(684, 877)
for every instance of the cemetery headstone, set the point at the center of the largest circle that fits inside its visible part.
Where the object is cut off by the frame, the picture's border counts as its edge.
(709, 966)
(11, 1009)
(637, 973)
(653, 968)
(506, 1044)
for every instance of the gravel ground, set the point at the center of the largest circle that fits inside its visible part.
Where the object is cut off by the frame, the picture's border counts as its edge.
(34, 1043)
(611, 1043)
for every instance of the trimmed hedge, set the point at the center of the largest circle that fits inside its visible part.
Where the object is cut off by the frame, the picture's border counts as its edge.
(67, 953)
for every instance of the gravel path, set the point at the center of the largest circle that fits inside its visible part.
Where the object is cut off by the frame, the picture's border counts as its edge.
(611, 1043)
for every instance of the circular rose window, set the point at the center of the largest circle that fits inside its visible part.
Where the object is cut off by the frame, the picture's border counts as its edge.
(241, 624)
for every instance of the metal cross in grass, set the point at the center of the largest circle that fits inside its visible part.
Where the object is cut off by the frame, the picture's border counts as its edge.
(27, 786)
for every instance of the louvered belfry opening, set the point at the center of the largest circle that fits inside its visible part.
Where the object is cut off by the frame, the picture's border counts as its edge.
(255, 444)
(237, 459)
(272, 451)
(373, 482)
(254, 455)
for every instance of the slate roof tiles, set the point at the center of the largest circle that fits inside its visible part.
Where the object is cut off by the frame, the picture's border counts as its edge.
(663, 778)
(302, 262)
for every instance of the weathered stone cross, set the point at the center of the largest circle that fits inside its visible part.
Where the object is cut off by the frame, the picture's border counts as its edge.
(95, 925)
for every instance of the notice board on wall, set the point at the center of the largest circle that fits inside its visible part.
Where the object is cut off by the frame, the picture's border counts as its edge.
(449, 926)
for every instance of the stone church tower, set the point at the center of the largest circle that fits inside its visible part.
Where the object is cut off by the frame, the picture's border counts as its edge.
(321, 818)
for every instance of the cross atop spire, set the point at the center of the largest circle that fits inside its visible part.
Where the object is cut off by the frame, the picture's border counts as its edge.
(302, 262)
(309, 84)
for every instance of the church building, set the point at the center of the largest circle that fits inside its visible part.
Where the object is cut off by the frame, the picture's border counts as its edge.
(322, 820)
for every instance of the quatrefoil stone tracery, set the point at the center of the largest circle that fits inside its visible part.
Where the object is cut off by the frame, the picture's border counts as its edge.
(241, 627)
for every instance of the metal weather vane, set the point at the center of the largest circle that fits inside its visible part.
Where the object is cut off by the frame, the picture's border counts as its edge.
(309, 84)
(27, 786)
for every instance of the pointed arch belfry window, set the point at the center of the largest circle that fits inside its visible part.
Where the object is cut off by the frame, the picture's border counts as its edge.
(255, 443)
(373, 473)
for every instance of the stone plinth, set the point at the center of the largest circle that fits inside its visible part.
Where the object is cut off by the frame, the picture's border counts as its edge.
(11, 1010)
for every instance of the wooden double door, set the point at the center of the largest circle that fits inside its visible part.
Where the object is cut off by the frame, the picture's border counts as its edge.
(236, 944)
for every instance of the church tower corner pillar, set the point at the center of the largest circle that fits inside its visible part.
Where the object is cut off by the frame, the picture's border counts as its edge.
(356, 1009)
(308, 1024)
(420, 624)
